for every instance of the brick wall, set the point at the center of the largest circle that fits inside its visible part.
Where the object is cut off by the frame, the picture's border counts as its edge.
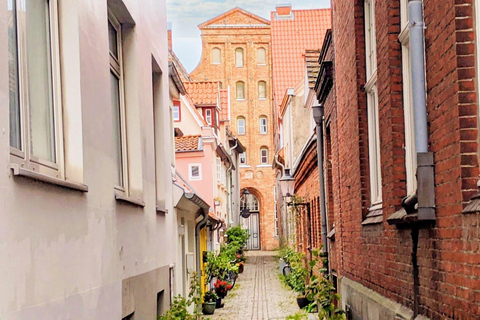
(378, 256)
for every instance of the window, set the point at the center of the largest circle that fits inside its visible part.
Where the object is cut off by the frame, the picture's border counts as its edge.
(208, 116)
(117, 100)
(263, 155)
(372, 104)
(239, 57)
(195, 171)
(240, 125)
(176, 111)
(219, 169)
(35, 109)
(216, 56)
(410, 152)
(261, 56)
(250, 202)
(243, 158)
(263, 125)
(262, 90)
(240, 90)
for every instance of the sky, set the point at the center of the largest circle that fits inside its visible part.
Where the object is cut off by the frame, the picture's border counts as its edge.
(184, 17)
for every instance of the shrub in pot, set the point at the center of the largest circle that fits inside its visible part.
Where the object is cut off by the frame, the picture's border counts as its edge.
(209, 302)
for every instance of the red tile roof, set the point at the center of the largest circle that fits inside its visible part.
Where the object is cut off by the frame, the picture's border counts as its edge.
(203, 92)
(291, 37)
(188, 143)
(224, 105)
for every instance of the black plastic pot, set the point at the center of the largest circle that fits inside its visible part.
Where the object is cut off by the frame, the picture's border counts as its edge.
(302, 302)
(208, 307)
(219, 303)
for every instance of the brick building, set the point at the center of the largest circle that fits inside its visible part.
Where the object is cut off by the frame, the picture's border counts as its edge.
(403, 214)
(236, 50)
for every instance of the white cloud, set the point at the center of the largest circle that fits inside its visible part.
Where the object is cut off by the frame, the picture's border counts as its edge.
(186, 15)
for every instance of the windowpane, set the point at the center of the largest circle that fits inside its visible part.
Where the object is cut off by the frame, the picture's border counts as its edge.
(241, 125)
(112, 40)
(116, 125)
(15, 131)
(264, 155)
(239, 57)
(263, 125)
(40, 80)
(243, 158)
(216, 57)
(261, 56)
(262, 90)
(176, 113)
(208, 116)
(240, 91)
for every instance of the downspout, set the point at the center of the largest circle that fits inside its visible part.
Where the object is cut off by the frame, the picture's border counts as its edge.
(425, 174)
(230, 193)
(318, 117)
(425, 169)
(284, 223)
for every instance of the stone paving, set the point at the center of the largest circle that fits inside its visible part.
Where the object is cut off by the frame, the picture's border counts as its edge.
(258, 293)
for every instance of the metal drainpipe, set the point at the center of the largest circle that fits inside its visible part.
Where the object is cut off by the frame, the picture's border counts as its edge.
(321, 179)
(425, 173)
(230, 193)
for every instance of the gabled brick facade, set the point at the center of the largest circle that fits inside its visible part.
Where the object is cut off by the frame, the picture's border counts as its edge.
(240, 29)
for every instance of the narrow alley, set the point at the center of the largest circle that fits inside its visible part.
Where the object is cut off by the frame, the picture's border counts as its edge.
(258, 292)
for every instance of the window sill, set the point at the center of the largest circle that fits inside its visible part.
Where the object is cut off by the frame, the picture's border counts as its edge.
(265, 165)
(473, 205)
(244, 166)
(18, 171)
(123, 198)
(161, 209)
(374, 216)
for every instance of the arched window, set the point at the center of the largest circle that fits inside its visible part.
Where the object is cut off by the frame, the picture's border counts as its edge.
(262, 90)
(264, 155)
(216, 56)
(240, 125)
(261, 56)
(240, 90)
(263, 124)
(239, 57)
(250, 202)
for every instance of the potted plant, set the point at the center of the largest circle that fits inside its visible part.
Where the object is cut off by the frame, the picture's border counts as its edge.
(209, 302)
(221, 288)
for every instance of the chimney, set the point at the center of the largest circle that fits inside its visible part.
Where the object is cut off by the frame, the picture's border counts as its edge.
(169, 35)
(284, 9)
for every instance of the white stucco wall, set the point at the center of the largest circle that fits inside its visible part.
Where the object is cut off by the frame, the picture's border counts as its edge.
(64, 253)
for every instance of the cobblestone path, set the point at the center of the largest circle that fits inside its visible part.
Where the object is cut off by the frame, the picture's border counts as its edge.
(258, 293)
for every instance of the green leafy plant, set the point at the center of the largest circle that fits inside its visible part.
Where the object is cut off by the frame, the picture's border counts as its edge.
(238, 236)
(210, 296)
(301, 315)
(179, 307)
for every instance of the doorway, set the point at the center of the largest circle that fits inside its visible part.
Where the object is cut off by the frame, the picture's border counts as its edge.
(252, 223)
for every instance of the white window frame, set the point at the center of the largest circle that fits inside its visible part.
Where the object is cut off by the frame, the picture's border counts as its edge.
(241, 128)
(116, 67)
(372, 105)
(190, 173)
(176, 111)
(239, 57)
(263, 126)
(242, 84)
(23, 157)
(208, 116)
(219, 56)
(410, 150)
(219, 169)
(262, 83)
(262, 157)
(259, 62)
(242, 158)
